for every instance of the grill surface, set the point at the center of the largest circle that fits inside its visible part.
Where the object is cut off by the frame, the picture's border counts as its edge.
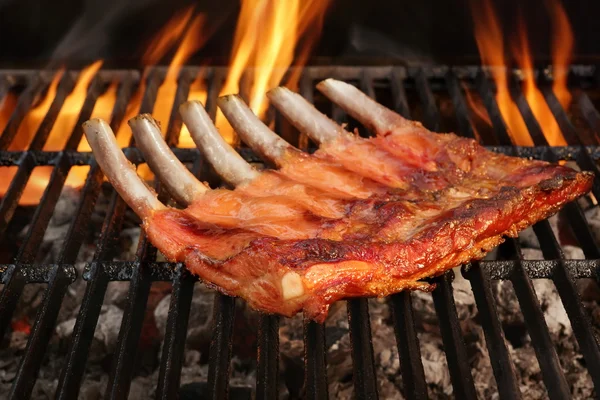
(142, 272)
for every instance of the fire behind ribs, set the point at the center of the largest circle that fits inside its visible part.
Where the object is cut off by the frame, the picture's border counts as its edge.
(359, 217)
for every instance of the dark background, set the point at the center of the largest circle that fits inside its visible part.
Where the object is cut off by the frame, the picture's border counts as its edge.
(36, 32)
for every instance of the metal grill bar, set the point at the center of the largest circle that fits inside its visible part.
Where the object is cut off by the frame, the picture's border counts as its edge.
(83, 332)
(364, 377)
(224, 312)
(35, 86)
(413, 376)
(454, 345)
(407, 341)
(315, 370)
(131, 325)
(365, 380)
(486, 91)
(533, 126)
(568, 293)
(267, 369)
(72, 372)
(566, 127)
(500, 359)
(399, 95)
(174, 344)
(181, 95)
(589, 112)
(554, 378)
(220, 347)
(133, 317)
(462, 111)
(139, 289)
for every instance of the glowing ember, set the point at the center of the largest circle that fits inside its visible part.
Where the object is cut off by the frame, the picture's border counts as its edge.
(21, 325)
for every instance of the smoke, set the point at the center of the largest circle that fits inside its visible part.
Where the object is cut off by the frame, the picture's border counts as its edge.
(91, 36)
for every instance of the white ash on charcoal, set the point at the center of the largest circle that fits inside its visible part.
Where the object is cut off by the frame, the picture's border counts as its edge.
(200, 320)
(105, 335)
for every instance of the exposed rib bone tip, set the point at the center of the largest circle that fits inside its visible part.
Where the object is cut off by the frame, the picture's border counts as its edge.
(276, 90)
(251, 129)
(120, 172)
(182, 184)
(225, 160)
(364, 109)
(222, 100)
(330, 83)
(304, 116)
(143, 117)
(190, 104)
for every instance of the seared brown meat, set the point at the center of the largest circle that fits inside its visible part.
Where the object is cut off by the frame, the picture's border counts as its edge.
(360, 217)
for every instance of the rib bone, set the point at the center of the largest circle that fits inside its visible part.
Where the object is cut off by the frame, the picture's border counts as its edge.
(178, 179)
(367, 111)
(225, 160)
(251, 129)
(119, 171)
(305, 116)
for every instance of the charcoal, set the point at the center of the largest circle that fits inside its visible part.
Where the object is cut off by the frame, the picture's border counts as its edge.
(105, 335)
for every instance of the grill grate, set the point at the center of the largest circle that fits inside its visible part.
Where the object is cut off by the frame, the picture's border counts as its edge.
(142, 272)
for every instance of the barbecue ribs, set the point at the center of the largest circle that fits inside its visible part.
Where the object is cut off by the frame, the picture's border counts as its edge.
(359, 217)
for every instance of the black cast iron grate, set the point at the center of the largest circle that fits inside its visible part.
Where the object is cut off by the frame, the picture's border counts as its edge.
(142, 272)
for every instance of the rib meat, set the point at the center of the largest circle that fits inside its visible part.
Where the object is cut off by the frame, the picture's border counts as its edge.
(359, 217)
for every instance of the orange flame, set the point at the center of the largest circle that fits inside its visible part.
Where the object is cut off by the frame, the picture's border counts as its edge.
(562, 49)
(266, 38)
(197, 92)
(31, 123)
(161, 43)
(267, 35)
(61, 130)
(166, 38)
(534, 97)
(192, 41)
(102, 109)
(69, 112)
(27, 129)
(477, 107)
(489, 37)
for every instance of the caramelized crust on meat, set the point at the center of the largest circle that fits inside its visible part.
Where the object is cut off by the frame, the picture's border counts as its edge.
(361, 217)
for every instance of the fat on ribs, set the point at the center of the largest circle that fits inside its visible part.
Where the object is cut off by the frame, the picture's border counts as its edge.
(359, 217)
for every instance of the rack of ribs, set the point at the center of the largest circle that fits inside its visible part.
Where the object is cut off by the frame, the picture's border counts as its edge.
(359, 217)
